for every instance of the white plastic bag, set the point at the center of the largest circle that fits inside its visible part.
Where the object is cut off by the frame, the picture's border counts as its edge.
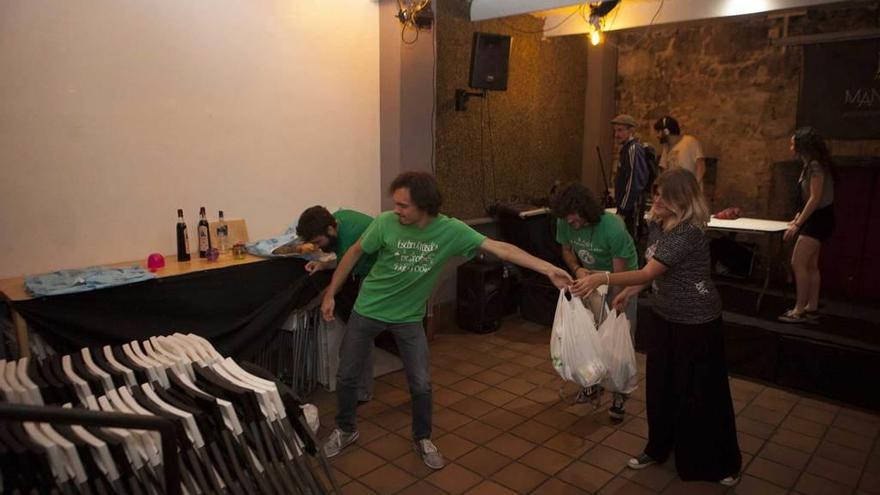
(575, 349)
(619, 355)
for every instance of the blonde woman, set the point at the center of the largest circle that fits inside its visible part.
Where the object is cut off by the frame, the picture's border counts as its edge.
(688, 396)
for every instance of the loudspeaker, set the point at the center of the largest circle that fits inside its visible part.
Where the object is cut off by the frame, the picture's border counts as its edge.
(537, 298)
(489, 58)
(535, 234)
(482, 292)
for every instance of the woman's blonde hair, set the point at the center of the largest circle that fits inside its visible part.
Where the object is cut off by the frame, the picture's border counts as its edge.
(681, 193)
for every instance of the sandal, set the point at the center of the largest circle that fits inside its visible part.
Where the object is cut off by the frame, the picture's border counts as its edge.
(791, 317)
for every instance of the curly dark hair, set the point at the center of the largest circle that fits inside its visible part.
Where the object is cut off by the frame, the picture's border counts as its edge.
(314, 222)
(578, 198)
(423, 190)
(809, 145)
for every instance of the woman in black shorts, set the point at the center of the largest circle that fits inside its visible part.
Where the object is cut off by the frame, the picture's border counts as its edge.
(813, 224)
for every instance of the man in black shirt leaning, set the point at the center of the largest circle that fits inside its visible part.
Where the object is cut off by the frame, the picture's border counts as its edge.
(632, 173)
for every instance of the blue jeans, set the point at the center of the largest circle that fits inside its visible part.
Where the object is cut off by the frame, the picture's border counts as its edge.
(356, 346)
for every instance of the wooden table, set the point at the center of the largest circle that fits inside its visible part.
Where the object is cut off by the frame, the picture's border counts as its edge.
(13, 289)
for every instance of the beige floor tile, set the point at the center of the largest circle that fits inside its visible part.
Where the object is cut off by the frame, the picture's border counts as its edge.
(490, 488)
(510, 445)
(810, 484)
(484, 461)
(478, 432)
(387, 479)
(454, 479)
(545, 460)
(519, 477)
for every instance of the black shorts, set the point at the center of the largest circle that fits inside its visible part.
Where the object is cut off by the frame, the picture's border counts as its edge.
(820, 225)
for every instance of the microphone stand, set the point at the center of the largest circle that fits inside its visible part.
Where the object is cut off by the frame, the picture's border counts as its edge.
(609, 202)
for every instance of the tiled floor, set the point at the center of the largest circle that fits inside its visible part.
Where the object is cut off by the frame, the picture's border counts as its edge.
(501, 424)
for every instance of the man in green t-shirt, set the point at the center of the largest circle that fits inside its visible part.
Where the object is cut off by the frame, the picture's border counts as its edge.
(412, 245)
(337, 232)
(595, 241)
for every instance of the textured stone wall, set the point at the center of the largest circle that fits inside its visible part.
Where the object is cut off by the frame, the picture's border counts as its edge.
(734, 91)
(536, 125)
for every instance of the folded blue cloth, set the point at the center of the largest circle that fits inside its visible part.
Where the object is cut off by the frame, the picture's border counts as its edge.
(265, 247)
(96, 277)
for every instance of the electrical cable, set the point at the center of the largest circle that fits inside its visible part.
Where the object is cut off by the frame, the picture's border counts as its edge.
(648, 27)
(482, 161)
(491, 147)
(434, 100)
(579, 9)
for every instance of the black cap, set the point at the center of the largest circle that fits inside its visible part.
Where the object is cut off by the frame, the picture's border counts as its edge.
(180, 212)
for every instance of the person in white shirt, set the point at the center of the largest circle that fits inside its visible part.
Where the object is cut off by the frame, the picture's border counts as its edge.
(679, 150)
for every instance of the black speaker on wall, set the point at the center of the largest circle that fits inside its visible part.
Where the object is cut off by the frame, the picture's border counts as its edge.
(489, 59)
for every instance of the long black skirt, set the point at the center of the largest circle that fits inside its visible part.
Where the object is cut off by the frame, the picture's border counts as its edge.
(690, 410)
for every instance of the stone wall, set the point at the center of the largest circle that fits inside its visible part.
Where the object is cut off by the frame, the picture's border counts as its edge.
(734, 91)
(535, 133)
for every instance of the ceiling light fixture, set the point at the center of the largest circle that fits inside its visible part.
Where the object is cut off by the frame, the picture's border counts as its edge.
(598, 11)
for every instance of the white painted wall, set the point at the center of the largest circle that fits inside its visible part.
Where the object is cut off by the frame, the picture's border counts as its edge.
(114, 113)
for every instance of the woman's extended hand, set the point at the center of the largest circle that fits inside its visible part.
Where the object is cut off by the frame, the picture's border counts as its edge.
(584, 286)
(621, 300)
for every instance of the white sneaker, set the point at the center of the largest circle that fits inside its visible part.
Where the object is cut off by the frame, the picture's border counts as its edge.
(337, 441)
(430, 455)
(730, 480)
(640, 462)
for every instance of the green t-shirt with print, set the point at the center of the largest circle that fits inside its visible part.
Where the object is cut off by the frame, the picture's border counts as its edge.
(350, 225)
(596, 246)
(410, 258)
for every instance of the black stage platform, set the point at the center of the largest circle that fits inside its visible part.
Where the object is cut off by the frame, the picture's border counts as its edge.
(837, 357)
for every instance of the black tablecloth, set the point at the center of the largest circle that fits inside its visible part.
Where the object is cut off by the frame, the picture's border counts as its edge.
(237, 308)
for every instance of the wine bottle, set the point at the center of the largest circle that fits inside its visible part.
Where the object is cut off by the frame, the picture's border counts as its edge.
(222, 234)
(182, 238)
(204, 237)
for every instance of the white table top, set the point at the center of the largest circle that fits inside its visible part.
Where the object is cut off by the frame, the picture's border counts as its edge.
(742, 224)
(748, 224)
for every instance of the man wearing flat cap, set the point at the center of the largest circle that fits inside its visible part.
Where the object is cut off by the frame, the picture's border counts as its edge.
(632, 173)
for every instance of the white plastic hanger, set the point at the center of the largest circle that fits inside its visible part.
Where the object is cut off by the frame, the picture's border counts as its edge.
(57, 460)
(100, 451)
(106, 379)
(136, 359)
(156, 355)
(189, 420)
(157, 367)
(130, 379)
(25, 380)
(73, 463)
(174, 348)
(144, 438)
(12, 389)
(271, 389)
(135, 450)
(81, 386)
(4, 387)
(206, 346)
(193, 348)
(263, 399)
(230, 417)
